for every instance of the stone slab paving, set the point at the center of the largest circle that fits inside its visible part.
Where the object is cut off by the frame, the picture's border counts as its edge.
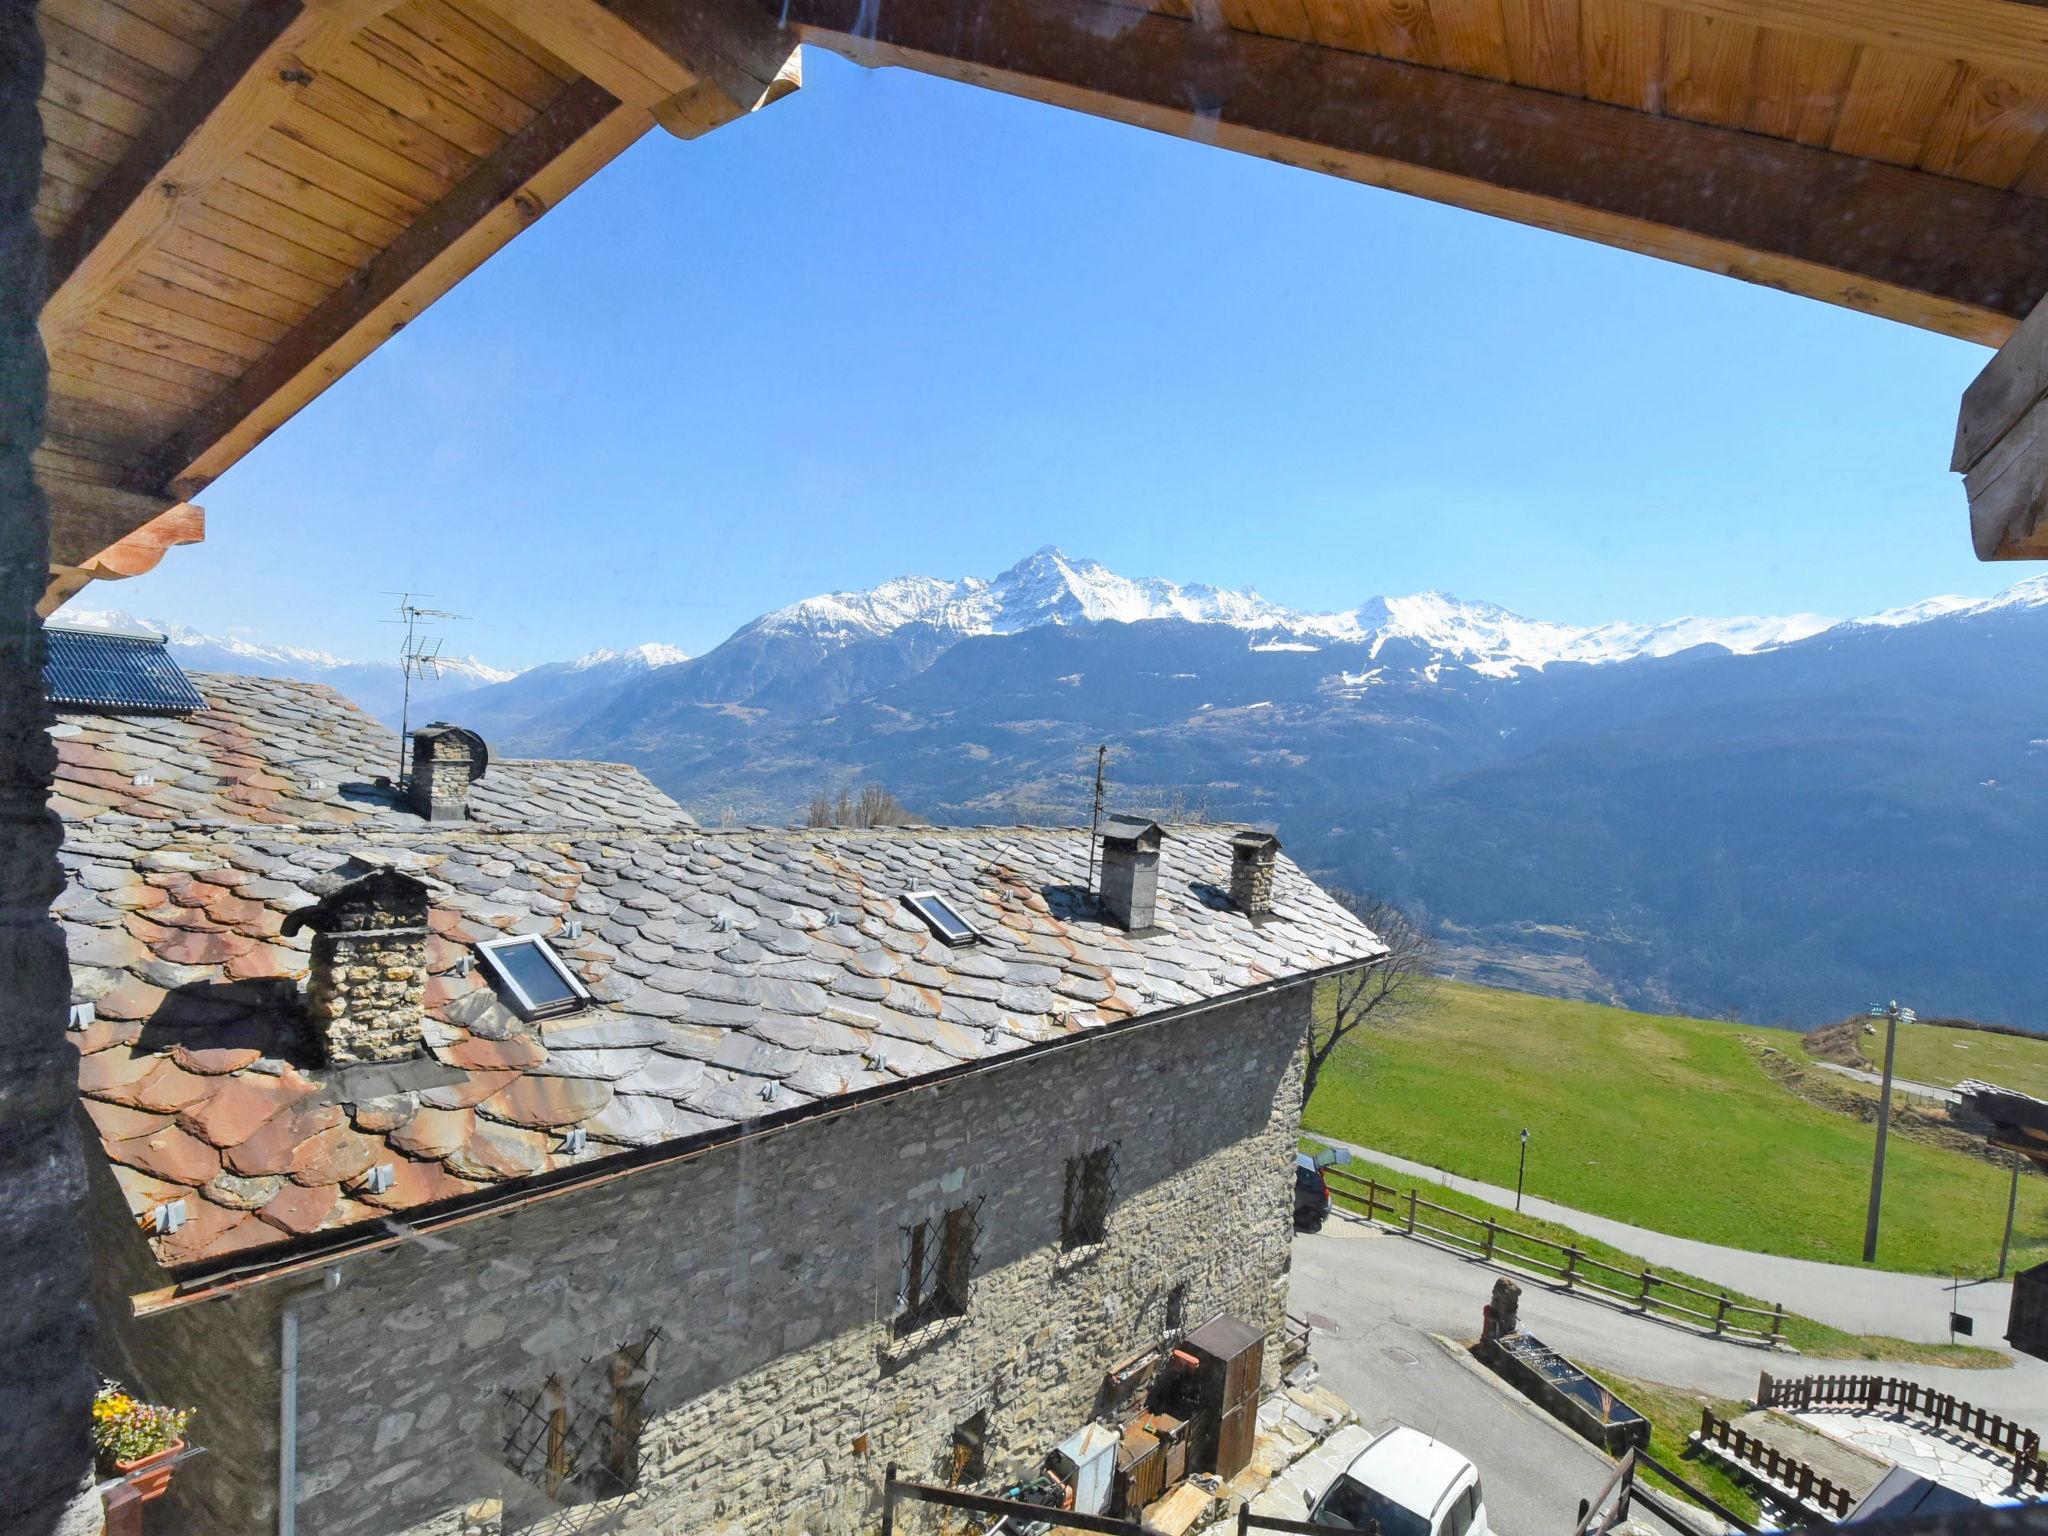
(1910, 1442)
(1284, 1496)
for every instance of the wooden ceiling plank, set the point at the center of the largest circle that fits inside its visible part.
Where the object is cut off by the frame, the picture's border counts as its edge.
(1988, 128)
(116, 323)
(1339, 24)
(293, 224)
(219, 285)
(580, 132)
(1543, 44)
(75, 131)
(388, 127)
(240, 88)
(490, 55)
(88, 518)
(1708, 64)
(1891, 104)
(189, 245)
(1996, 34)
(183, 308)
(93, 101)
(416, 103)
(1397, 29)
(120, 30)
(1624, 52)
(114, 437)
(1872, 237)
(1801, 82)
(489, 21)
(201, 25)
(266, 245)
(178, 327)
(301, 160)
(418, 59)
(133, 393)
(205, 382)
(1472, 36)
(64, 456)
(102, 63)
(63, 163)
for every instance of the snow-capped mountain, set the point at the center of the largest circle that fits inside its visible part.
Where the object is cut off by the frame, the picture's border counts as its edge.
(633, 658)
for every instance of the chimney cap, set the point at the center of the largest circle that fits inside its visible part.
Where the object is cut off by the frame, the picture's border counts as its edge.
(437, 730)
(331, 910)
(1251, 842)
(1134, 830)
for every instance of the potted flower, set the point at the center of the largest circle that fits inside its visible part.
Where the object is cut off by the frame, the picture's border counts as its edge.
(139, 1440)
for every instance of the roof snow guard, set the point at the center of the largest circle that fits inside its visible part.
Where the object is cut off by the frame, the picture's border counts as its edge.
(120, 673)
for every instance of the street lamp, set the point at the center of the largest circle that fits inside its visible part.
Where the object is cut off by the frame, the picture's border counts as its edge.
(1894, 1016)
(1522, 1168)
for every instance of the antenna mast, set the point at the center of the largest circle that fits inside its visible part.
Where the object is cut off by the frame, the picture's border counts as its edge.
(419, 654)
(1095, 822)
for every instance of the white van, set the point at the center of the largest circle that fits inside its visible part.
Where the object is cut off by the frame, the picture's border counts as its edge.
(1405, 1484)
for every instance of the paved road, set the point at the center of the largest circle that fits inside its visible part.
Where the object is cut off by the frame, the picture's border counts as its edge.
(1860, 1300)
(1899, 1084)
(1372, 1281)
(1374, 1301)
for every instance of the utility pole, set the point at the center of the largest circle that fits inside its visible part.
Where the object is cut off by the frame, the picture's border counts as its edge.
(1522, 1168)
(1095, 820)
(2012, 1204)
(1893, 1015)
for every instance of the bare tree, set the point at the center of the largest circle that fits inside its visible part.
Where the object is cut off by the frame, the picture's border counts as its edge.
(874, 806)
(1396, 984)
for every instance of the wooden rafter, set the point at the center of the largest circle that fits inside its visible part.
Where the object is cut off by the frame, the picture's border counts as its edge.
(2002, 447)
(577, 134)
(1874, 237)
(239, 90)
(690, 64)
(133, 554)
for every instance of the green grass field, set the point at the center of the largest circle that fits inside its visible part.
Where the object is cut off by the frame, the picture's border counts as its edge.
(1662, 1122)
(1944, 1057)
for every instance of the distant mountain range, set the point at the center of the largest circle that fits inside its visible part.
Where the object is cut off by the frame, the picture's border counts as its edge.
(1780, 819)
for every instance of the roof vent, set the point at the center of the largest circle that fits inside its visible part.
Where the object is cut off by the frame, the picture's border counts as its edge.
(380, 1178)
(1130, 871)
(446, 760)
(574, 1140)
(1252, 856)
(167, 1218)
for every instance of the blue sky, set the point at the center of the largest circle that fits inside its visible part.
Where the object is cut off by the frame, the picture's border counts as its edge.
(896, 325)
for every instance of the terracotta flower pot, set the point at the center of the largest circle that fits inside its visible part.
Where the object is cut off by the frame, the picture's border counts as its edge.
(150, 1476)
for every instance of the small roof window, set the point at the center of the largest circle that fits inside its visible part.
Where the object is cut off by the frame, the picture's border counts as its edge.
(942, 917)
(539, 981)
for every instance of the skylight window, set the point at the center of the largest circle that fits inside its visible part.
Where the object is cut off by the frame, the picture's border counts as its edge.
(540, 983)
(941, 917)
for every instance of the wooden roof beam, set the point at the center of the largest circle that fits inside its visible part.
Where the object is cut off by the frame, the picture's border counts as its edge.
(238, 91)
(1872, 237)
(106, 533)
(2002, 447)
(579, 132)
(692, 65)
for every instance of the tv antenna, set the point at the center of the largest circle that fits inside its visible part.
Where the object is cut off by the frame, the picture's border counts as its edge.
(419, 655)
(1095, 821)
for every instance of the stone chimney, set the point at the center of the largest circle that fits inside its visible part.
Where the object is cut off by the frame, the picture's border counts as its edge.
(367, 989)
(1130, 870)
(1251, 872)
(446, 760)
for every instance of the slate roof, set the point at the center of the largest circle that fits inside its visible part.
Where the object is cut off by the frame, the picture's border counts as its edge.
(736, 975)
(270, 751)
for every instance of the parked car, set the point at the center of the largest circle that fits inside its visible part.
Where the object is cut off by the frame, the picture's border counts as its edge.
(1404, 1484)
(1311, 1194)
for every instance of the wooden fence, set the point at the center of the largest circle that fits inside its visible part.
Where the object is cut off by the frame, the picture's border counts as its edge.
(1610, 1506)
(1874, 1394)
(1497, 1243)
(1786, 1472)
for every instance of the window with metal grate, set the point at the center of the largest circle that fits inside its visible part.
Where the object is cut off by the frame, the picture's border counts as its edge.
(578, 1439)
(938, 1266)
(1091, 1191)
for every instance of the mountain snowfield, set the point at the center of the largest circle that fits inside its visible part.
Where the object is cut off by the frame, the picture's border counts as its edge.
(1052, 587)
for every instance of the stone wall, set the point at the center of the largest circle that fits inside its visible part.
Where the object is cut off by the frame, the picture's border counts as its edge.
(45, 1384)
(780, 1388)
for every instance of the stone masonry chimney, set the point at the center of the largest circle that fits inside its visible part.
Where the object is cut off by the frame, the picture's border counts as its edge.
(367, 989)
(1130, 870)
(446, 760)
(1251, 872)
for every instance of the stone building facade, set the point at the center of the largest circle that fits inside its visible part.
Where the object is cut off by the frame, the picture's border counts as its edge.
(779, 1386)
